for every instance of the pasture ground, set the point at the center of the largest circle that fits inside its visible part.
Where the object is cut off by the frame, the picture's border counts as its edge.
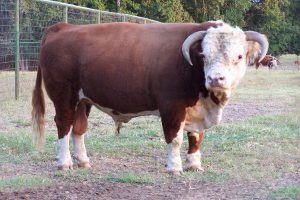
(253, 154)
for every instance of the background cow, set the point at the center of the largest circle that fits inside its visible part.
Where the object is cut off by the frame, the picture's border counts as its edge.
(185, 73)
(268, 60)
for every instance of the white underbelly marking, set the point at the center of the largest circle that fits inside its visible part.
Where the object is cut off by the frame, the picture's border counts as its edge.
(120, 117)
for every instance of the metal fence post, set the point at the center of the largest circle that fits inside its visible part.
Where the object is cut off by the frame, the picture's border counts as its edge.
(99, 17)
(123, 18)
(17, 50)
(66, 14)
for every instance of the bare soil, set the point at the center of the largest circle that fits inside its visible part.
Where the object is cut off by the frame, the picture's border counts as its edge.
(87, 189)
(176, 190)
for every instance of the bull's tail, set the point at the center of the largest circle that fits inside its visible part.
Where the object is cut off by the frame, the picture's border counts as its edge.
(38, 112)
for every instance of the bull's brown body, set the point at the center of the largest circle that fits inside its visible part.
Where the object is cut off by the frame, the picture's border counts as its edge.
(143, 72)
(127, 68)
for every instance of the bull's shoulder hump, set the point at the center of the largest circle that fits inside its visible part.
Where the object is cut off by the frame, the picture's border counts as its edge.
(58, 27)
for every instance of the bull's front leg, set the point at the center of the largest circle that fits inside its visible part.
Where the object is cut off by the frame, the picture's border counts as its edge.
(173, 124)
(194, 155)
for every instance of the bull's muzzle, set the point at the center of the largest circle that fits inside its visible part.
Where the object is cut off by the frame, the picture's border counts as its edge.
(217, 81)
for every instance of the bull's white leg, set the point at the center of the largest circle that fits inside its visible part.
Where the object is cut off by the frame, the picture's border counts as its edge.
(174, 163)
(194, 161)
(80, 151)
(64, 156)
(194, 156)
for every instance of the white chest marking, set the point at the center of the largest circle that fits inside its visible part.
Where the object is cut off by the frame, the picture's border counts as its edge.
(203, 115)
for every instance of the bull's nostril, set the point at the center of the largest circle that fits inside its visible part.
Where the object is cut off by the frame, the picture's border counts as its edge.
(209, 78)
(222, 78)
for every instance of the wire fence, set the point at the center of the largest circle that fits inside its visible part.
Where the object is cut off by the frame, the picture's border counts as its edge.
(22, 24)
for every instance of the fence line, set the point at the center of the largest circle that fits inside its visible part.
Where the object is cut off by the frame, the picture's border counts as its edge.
(22, 24)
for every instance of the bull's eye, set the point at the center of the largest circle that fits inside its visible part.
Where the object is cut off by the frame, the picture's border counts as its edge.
(202, 56)
(240, 57)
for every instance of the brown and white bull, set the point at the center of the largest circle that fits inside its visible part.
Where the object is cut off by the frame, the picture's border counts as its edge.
(185, 73)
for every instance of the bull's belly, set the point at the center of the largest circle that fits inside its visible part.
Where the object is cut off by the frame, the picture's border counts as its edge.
(116, 115)
(203, 115)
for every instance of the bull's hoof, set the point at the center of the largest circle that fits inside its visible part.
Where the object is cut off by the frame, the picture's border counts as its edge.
(175, 172)
(194, 169)
(64, 167)
(84, 165)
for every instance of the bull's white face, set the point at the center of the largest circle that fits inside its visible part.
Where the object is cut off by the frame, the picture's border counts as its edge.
(224, 51)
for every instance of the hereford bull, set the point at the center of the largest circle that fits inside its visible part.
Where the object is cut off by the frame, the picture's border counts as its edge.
(185, 73)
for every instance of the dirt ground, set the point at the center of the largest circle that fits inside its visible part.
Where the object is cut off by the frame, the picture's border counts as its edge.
(75, 189)
(253, 190)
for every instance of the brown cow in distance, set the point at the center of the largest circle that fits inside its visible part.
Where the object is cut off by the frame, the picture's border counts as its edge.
(184, 73)
(268, 60)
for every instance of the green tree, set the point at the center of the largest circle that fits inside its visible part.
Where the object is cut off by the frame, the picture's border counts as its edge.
(270, 17)
(234, 11)
(164, 11)
(204, 10)
(96, 4)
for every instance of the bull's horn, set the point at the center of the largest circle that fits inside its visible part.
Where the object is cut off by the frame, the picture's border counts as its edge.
(262, 41)
(189, 41)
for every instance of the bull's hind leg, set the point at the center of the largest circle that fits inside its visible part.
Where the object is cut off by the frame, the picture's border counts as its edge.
(79, 128)
(194, 155)
(64, 119)
(65, 100)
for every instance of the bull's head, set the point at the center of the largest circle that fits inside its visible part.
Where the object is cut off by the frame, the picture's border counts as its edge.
(224, 52)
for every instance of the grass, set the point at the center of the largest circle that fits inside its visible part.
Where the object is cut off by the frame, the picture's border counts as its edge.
(7, 84)
(259, 148)
(288, 192)
(289, 59)
(17, 183)
(131, 178)
(264, 86)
